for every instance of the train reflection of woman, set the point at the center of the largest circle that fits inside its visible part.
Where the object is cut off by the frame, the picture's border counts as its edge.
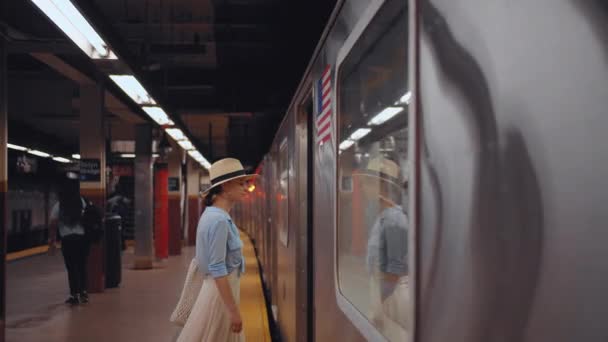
(215, 315)
(66, 217)
(387, 244)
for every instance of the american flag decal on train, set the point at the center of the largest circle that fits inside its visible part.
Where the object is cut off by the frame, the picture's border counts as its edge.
(323, 120)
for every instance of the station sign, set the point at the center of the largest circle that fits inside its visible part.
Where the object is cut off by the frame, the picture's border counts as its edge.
(173, 184)
(90, 170)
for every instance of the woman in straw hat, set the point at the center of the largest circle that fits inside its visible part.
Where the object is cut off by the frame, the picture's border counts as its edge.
(215, 316)
(387, 246)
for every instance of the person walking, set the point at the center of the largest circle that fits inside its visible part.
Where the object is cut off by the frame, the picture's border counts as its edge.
(66, 219)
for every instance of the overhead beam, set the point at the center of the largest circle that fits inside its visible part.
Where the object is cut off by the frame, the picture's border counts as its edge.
(32, 46)
(114, 105)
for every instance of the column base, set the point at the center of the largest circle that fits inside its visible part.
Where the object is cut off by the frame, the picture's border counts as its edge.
(143, 263)
(96, 280)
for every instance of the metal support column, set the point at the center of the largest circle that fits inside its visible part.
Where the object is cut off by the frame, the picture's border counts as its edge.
(92, 171)
(144, 210)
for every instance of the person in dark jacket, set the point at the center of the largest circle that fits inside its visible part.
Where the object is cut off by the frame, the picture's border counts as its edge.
(66, 219)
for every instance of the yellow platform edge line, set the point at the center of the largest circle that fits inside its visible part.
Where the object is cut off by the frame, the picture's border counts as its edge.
(27, 253)
(259, 298)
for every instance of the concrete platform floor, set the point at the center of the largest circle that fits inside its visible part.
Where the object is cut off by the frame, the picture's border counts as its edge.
(138, 310)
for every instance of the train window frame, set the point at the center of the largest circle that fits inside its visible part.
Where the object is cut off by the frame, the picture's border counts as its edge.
(284, 230)
(359, 320)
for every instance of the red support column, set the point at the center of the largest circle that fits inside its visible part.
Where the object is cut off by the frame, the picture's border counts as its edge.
(161, 211)
(175, 225)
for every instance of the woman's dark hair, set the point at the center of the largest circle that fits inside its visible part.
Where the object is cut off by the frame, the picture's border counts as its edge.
(70, 204)
(210, 197)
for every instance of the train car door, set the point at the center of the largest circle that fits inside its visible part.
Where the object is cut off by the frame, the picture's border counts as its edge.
(304, 253)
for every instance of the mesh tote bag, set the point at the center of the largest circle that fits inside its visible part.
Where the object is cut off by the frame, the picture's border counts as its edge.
(192, 286)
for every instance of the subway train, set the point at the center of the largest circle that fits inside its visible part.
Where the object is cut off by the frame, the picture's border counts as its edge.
(440, 175)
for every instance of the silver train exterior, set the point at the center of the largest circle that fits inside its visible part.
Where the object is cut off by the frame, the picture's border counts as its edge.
(507, 162)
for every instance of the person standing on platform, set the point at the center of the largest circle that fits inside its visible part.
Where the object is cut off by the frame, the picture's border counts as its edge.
(215, 315)
(387, 247)
(66, 219)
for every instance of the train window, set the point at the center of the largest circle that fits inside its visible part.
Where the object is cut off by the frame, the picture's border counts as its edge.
(373, 222)
(283, 193)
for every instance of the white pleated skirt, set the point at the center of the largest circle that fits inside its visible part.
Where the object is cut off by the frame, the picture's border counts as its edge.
(209, 320)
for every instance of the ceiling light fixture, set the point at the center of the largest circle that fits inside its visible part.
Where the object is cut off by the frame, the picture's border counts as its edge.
(62, 160)
(158, 114)
(16, 147)
(186, 145)
(69, 19)
(360, 133)
(385, 115)
(406, 98)
(39, 153)
(131, 86)
(346, 144)
(176, 134)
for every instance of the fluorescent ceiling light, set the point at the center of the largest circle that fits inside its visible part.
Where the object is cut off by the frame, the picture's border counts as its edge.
(127, 155)
(76, 27)
(176, 134)
(196, 155)
(346, 144)
(360, 133)
(131, 86)
(385, 115)
(39, 153)
(406, 98)
(16, 147)
(76, 156)
(62, 160)
(186, 145)
(158, 114)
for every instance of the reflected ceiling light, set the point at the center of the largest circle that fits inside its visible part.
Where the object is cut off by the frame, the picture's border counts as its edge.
(16, 147)
(131, 86)
(158, 114)
(39, 153)
(346, 144)
(176, 134)
(385, 115)
(360, 133)
(76, 156)
(62, 160)
(69, 19)
(406, 98)
(186, 145)
(127, 155)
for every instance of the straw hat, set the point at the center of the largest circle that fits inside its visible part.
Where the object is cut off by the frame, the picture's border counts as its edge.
(382, 168)
(225, 170)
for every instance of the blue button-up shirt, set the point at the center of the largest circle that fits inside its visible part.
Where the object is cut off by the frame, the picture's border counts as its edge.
(387, 244)
(219, 249)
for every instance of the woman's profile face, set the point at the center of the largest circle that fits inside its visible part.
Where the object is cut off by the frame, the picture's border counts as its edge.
(236, 189)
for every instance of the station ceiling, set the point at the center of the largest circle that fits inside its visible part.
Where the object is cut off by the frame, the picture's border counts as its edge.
(227, 68)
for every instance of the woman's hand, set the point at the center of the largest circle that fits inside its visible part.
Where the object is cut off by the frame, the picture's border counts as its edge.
(236, 322)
